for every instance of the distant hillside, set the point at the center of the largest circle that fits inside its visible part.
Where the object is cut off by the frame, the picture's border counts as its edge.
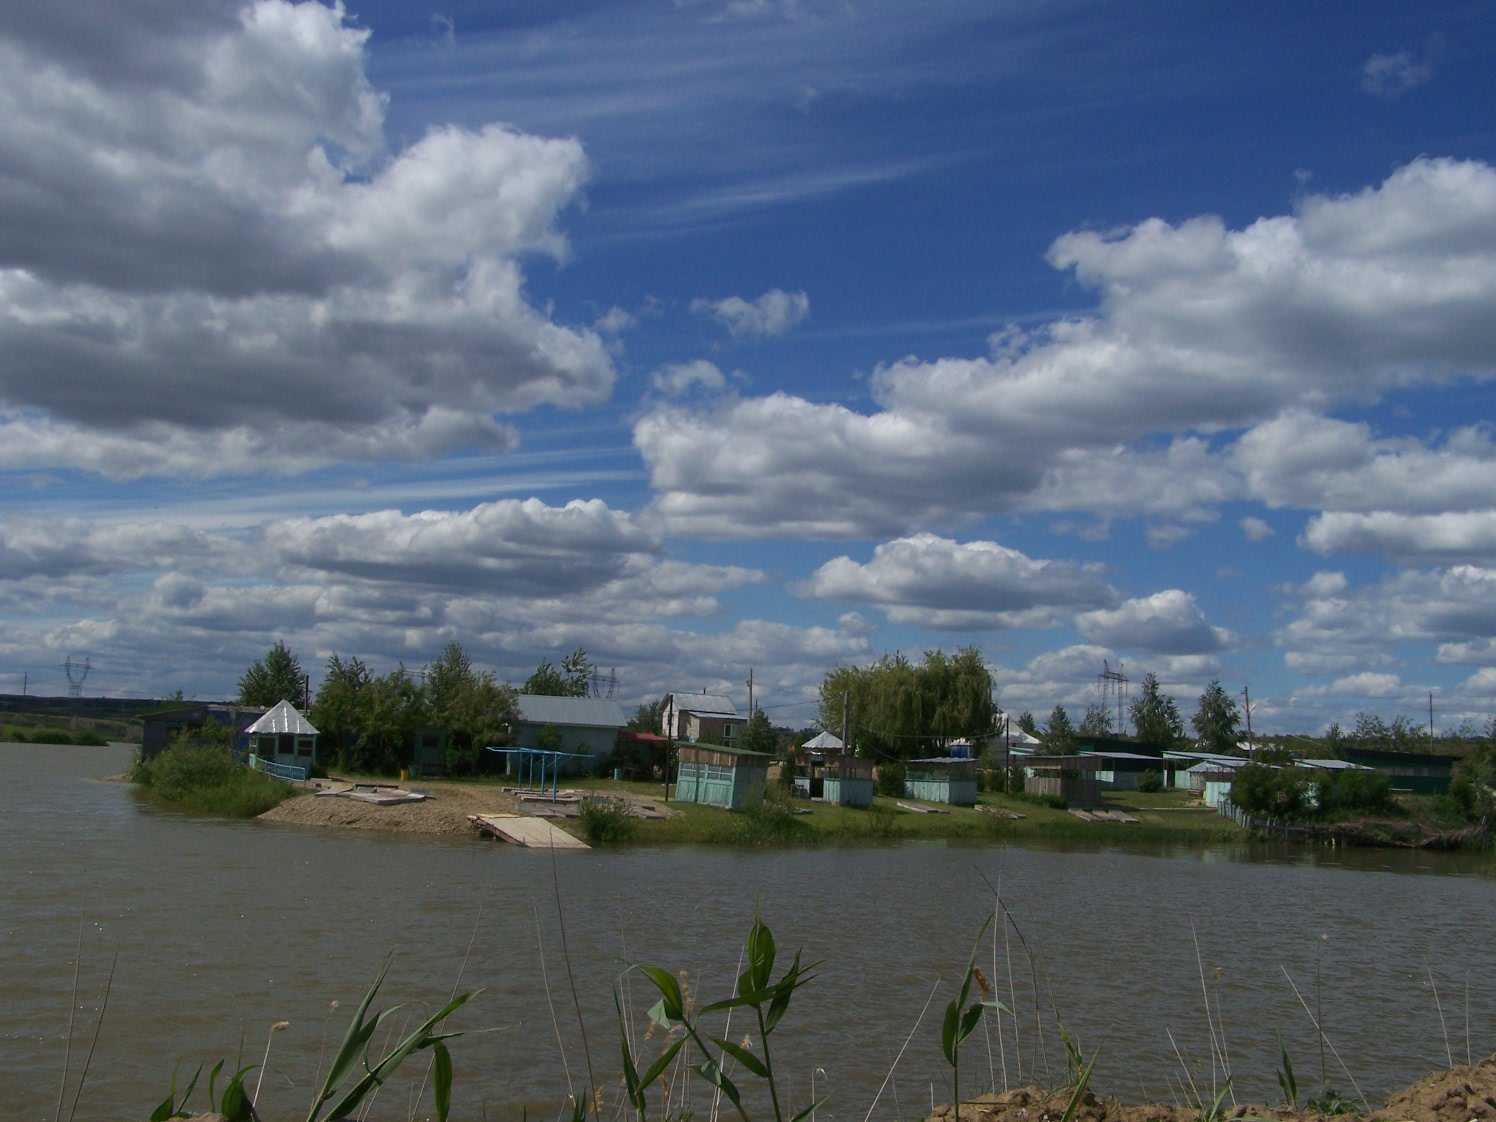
(96, 708)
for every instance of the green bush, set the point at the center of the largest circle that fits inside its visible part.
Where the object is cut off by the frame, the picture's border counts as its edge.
(1346, 793)
(772, 822)
(604, 820)
(208, 779)
(51, 736)
(891, 779)
(1273, 792)
(1150, 782)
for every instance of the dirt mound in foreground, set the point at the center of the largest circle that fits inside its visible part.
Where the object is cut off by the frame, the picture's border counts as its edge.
(1462, 1094)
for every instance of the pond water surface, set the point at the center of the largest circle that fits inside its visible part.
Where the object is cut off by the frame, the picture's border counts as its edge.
(221, 928)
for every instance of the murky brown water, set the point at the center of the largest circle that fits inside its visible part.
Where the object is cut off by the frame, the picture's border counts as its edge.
(222, 928)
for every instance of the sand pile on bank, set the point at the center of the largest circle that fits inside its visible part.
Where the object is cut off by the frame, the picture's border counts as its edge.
(1462, 1094)
(445, 812)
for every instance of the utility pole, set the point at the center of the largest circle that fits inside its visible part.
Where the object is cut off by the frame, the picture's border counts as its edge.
(25, 681)
(846, 709)
(1431, 720)
(750, 693)
(670, 745)
(1246, 693)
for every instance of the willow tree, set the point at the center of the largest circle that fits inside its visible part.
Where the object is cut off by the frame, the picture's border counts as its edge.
(902, 710)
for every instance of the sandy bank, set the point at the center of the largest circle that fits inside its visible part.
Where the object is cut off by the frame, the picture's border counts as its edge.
(445, 812)
(1461, 1094)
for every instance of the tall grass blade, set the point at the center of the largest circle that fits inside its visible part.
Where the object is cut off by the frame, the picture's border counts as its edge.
(67, 1053)
(1323, 1038)
(87, 1063)
(887, 1078)
(1448, 1054)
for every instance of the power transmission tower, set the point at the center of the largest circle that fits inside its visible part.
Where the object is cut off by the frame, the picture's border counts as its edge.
(1113, 685)
(77, 674)
(604, 685)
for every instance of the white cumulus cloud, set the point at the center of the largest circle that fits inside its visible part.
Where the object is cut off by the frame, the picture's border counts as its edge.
(773, 313)
(1200, 329)
(207, 236)
(939, 583)
(1168, 622)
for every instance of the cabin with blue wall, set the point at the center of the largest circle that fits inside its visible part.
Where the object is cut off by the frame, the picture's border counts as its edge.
(715, 776)
(942, 779)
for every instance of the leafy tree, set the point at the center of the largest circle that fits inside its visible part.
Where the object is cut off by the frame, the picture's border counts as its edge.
(469, 706)
(1334, 741)
(275, 678)
(1150, 782)
(391, 709)
(758, 735)
(1472, 792)
(903, 710)
(548, 739)
(1215, 719)
(1155, 716)
(1027, 724)
(336, 711)
(1059, 734)
(1096, 722)
(1402, 735)
(649, 717)
(573, 679)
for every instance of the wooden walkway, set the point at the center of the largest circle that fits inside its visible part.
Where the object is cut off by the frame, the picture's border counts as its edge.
(535, 833)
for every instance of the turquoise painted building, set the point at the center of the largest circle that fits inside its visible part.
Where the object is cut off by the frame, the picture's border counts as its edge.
(286, 738)
(847, 781)
(942, 779)
(715, 776)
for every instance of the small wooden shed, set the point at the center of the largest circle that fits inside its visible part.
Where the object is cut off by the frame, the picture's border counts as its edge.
(942, 779)
(715, 776)
(285, 738)
(1071, 778)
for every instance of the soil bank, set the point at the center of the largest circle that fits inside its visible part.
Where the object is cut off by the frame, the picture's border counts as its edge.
(1461, 1094)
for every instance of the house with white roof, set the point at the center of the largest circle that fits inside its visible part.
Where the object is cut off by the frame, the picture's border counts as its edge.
(584, 724)
(706, 718)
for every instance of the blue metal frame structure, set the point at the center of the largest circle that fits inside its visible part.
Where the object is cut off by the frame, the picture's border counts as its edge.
(545, 756)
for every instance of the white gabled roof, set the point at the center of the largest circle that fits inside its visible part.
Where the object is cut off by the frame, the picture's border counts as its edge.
(284, 717)
(824, 740)
(705, 704)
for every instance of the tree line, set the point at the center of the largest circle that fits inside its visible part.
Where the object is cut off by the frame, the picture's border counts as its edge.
(371, 720)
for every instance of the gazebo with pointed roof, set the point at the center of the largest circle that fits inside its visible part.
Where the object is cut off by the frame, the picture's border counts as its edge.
(284, 737)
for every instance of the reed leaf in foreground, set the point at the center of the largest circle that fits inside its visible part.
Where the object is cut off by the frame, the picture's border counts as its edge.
(756, 990)
(960, 1021)
(354, 1052)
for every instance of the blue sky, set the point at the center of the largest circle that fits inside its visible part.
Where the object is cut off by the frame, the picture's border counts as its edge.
(715, 336)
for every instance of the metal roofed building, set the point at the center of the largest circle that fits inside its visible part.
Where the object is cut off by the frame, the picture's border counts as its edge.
(584, 724)
(709, 718)
(283, 736)
(163, 727)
